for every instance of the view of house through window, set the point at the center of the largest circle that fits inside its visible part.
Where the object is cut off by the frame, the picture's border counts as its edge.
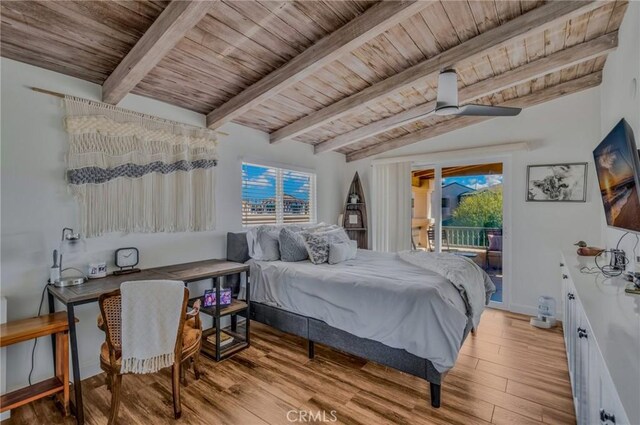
(471, 215)
(273, 195)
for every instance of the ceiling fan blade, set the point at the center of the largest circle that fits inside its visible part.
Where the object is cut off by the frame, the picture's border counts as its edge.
(416, 118)
(447, 89)
(488, 111)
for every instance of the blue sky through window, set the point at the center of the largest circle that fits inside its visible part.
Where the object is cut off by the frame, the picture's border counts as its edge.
(475, 182)
(260, 183)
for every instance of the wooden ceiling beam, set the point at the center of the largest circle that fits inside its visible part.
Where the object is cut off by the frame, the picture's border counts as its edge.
(455, 123)
(532, 22)
(165, 32)
(376, 20)
(536, 69)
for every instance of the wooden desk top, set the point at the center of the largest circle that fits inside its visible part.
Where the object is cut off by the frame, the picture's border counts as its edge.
(197, 270)
(33, 327)
(187, 272)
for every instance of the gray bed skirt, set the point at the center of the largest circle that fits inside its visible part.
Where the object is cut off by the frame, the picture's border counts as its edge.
(315, 330)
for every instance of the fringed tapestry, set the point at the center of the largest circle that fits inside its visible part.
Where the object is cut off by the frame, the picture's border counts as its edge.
(132, 172)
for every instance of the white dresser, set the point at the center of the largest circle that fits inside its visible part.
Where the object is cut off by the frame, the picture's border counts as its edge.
(602, 336)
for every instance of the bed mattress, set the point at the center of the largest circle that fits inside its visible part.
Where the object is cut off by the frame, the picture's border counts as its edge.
(376, 296)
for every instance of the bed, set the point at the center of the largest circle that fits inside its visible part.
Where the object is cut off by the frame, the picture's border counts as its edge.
(377, 307)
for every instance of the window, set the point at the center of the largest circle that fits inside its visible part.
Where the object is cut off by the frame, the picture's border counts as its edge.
(273, 195)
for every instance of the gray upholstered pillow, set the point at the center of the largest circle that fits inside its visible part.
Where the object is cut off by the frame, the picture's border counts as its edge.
(267, 241)
(317, 247)
(292, 246)
(342, 251)
(237, 247)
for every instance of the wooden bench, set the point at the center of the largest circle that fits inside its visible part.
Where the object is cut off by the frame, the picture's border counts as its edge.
(35, 327)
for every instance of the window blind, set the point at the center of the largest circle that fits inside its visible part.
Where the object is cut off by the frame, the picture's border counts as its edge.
(276, 196)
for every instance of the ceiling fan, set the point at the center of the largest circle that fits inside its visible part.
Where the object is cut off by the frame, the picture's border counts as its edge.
(447, 101)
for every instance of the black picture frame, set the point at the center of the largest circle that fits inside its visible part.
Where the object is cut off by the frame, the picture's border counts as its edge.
(531, 198)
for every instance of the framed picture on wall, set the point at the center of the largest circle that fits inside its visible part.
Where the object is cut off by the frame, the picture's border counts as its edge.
(557, 182)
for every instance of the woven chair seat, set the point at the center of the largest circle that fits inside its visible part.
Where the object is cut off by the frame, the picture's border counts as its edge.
(190, 339)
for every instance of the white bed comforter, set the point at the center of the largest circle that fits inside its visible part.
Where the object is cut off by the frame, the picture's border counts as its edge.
(403, 303)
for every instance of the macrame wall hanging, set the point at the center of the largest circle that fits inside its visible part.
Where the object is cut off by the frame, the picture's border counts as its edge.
(132, 172)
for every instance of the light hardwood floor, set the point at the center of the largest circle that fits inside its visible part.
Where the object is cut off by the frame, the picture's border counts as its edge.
(507, 373)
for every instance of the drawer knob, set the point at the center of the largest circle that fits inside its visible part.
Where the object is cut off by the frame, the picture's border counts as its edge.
(607, 417)
(564, 276)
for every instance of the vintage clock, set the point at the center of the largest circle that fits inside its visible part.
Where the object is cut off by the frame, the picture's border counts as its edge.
(127, 259)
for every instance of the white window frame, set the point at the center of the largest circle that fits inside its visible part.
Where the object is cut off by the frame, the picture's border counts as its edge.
(280, 170)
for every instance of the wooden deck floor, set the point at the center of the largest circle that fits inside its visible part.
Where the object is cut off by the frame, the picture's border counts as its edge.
(508, 373)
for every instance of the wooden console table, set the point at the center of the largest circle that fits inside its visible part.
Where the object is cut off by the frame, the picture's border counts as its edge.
(17, 331)
(90, 292)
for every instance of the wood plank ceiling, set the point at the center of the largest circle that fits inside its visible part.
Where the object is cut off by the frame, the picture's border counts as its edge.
(356, 102)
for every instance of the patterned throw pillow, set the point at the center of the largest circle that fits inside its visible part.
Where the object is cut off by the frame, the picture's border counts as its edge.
(317, 247)
(292, 247)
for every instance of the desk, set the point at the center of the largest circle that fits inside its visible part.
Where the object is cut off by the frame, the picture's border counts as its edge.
(90, 292)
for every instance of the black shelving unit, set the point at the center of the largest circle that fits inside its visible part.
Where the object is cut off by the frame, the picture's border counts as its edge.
(241, 340)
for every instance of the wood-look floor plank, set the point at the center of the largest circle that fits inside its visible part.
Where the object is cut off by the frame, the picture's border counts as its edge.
(507, 373)
(544, 397)
(506, 417)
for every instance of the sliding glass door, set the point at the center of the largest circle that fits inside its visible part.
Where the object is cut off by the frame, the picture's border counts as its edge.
(464, 215)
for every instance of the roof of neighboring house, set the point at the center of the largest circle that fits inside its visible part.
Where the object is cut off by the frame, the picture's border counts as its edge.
(484, 189)
(470, 189)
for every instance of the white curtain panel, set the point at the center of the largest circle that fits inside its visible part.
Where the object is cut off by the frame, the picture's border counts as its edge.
(392, 207)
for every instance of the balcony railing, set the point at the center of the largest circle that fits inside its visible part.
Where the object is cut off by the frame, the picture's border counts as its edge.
(467, 237)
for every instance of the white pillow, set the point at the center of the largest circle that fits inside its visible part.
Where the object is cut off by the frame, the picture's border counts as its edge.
(267, 245)
(342, 251)
(335, 234)
(251, 241)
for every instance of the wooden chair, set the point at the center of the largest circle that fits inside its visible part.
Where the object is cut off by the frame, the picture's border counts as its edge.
(187, 349)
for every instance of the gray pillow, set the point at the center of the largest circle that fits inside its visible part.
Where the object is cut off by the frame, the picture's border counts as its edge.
(267, 241)
(342, 251)
(292, 246)
(237, 247)
(317, 247)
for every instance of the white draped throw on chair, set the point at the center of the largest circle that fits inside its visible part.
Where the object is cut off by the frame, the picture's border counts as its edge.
(132, 172)
(392, 207)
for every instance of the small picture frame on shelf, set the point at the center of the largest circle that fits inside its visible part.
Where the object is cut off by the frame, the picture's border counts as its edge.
(210, 297)
(353, 219)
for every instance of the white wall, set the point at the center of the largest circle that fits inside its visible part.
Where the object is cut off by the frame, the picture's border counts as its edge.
(36, 204)
(620, 98)
(563, 130)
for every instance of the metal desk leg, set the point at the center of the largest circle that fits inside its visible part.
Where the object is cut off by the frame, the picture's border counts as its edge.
(248, 321)
(75, 363)
(52, 309)
(217, 318)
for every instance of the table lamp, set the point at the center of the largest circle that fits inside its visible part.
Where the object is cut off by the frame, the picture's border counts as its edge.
(71, 243)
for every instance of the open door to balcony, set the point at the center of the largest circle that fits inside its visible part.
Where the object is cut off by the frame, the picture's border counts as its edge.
(461, 209)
